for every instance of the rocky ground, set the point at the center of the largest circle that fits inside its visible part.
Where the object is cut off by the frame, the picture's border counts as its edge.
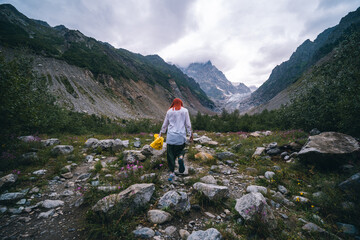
(243, 185)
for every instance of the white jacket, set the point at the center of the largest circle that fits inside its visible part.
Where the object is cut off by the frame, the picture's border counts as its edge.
(175, 123)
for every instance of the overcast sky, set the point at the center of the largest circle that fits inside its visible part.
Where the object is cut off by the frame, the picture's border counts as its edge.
(245, 39)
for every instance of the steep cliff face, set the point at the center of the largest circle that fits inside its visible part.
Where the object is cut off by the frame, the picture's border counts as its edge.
(88, 75)
(305, 57)
(217, 86)
(213, 81)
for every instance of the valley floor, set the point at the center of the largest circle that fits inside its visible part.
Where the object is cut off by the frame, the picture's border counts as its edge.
(57, 194)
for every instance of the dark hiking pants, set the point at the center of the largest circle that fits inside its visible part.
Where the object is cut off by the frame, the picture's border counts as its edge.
(174, 151)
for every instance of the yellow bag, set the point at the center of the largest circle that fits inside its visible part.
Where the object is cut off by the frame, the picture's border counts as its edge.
(157, 143)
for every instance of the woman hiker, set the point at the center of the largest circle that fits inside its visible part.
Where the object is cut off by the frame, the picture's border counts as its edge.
(176, 120)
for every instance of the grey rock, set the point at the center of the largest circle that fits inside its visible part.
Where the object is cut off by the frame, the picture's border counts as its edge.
(50, 142)
(30, 156)
(272, 145)
(16, 210)
(318, 194)
(273, 151)
(67, 175)
(212, 191)
(144, 233)
(184, 234)
(170, 231)
(259, 151)
(282, 189)
(8, 180)
(269, 174)
(117, 145)
(89, 158)
(131, 156)
(252, 204)
(230, 162)
(21, 201)
(106, 144)
(136, 196)
(347, 228)
(92, 143)
(254, 189)
(67, 193)
(62, 149)
(79, 202)
(40, 172)
(137, 144)
(224, 155)
(329, 149)
(312, 227)
(314, 132)
(202, 139)
(158, 216)
(178, 201)
(209, 234)
(276, 168)
(148, 176)
(52, 203)
(11, 196)
(208, 179)
(3, 209)
(351, 183)
(28, 138)
(47, 214)
(84, 177)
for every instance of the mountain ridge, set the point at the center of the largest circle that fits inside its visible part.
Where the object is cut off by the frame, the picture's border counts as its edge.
(305, 56)
(112, 68)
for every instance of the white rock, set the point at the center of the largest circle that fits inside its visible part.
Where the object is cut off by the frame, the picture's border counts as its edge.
(158, 216)
(255, 188)
(52, 203)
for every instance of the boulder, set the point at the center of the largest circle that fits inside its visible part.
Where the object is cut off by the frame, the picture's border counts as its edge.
(50, 142)
(208, 179)
(351, 183)
(203, 139)
(11, 196)
(311, 227)
(209, 234)
(259, 151)
(40, 172)
(347, 228)
(252, 204)
(29, 138)
(144, 233)
(158, 216)
(62, 149)
(52, 203)
(225, 155)
(269, 174)
(314, 132)
(273, 151)
(170, 231)
(184, 234)
(131, 156)
(47, 214)
(329, 149)
(255, 188)
(8, 179)
(212, 191)
(177, 201)
(133, 197)
(92, 143)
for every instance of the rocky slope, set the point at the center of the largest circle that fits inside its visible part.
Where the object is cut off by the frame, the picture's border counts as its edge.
(304, 58)
(215, 84)
(94, 77)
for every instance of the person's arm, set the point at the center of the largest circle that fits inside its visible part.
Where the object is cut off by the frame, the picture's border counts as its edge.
(188, 126)
(165, 125)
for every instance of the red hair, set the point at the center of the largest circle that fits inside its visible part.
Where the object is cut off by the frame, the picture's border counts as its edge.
(176, 104)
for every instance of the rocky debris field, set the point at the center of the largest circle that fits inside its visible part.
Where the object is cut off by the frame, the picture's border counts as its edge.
(273, 185)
